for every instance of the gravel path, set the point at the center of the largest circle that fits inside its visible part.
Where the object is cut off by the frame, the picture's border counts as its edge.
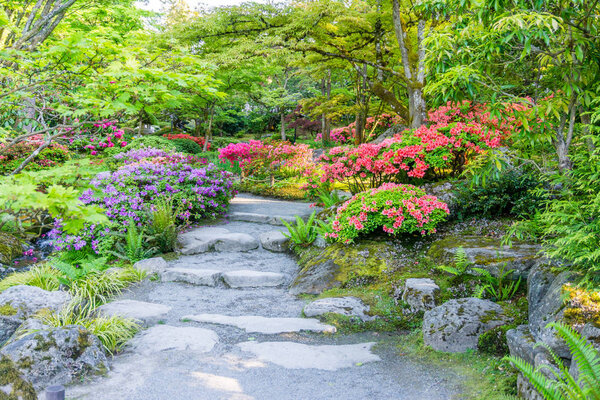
(225, 327)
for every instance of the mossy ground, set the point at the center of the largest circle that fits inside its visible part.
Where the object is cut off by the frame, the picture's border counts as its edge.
(481, 376)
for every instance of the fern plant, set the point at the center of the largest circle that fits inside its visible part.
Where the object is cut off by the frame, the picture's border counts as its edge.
(163, 228)
(302, 233)
(461, 263)
(329, 199)
(498, 288)
(564, 386)
(133, 250)
(74, 272)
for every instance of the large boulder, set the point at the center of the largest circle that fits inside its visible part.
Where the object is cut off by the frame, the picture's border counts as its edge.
(13, 386)
(336, 265)
(455, 326)
(56, 356)
(546, 304)
(18, 303)
(11, 247)
(420, 293)
(487, 253)
(348, 306)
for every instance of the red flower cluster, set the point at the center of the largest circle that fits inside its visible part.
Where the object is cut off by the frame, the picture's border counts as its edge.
(372, 126)
(198, 140)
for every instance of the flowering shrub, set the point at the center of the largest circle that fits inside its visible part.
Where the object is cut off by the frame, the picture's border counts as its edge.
(198, 140)
(108, 135)
(394, 208)
(261, 159)
(53, 155)
(373, 126)
(131, 192)
(458, 133)
(157, 156)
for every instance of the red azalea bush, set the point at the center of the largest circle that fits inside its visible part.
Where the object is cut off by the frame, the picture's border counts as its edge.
(391, 207)
(457, 133)
(198, 140)
(53, 155)
(261, 159)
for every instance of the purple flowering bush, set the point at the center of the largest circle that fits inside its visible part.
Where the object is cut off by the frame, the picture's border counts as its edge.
(148, 175)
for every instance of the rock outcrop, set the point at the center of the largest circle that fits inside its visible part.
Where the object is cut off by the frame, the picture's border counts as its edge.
(419, 293)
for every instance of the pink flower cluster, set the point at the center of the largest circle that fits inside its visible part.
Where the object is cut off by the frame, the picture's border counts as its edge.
(393, 208)
(459, 132)
(110, 133)
(372, 126)
(259, 158)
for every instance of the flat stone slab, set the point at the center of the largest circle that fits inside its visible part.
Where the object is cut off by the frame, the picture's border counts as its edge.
(301, 356)
(202, 240)
(167, 337)
(260, 218)
(140, 310)
(201, 277)
(248, 278)
(257, 324)
(274, 241)
(348, 306)
(151, 265)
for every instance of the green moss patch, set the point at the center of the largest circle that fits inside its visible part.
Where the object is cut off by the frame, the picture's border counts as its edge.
(11, 378)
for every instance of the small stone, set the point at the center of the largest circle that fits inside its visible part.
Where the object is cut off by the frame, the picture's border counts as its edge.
(166, 338)
(57, 356)
(274, 241)
(349, 306)
(456, 325)
(257, 324)
(248, 278)
(201, 277)
(139, 310)
(420, 293)
(292, 355)
(154, 265)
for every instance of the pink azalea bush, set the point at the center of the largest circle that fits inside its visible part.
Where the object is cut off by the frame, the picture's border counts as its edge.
(373, 126)
(260, 158)
(107, 135)
(457, 133)
(391, 207)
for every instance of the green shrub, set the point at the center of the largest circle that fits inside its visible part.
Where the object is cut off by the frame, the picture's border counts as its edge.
(187, 146)
(156, 142)
(512, 193)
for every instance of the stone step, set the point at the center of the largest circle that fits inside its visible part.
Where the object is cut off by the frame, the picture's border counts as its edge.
(205, 239)
(166, 337)
(274, 241)
(252, 279)
(201, 277)
(258, 324)
(292, 355)
(260, 218)
(148, 313)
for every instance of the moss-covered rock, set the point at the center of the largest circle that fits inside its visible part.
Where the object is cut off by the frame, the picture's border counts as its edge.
(340, 265)
(11, 247)
(487, 253)
(12, 385)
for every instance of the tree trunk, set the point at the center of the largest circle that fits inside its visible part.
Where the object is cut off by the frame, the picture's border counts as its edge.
(283, 137)
(208, 135)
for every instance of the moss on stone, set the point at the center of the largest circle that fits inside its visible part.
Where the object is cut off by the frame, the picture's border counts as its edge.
(493, 342)
(43, 343)
(8, 310)
(11, 247)
(11, 379)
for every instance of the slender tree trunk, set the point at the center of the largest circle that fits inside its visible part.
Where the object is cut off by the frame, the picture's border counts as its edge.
(586, 121)
(283, 137)
(208, 135)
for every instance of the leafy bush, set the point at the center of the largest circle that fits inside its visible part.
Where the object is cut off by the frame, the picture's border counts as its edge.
(303, 233)
(513, 193)
(562, 385)
(187, 146)
(393, 208)
(163, 228)
(53, 155)
(141, 142)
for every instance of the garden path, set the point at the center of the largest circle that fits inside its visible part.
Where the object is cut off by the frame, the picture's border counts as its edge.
(208, 340)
